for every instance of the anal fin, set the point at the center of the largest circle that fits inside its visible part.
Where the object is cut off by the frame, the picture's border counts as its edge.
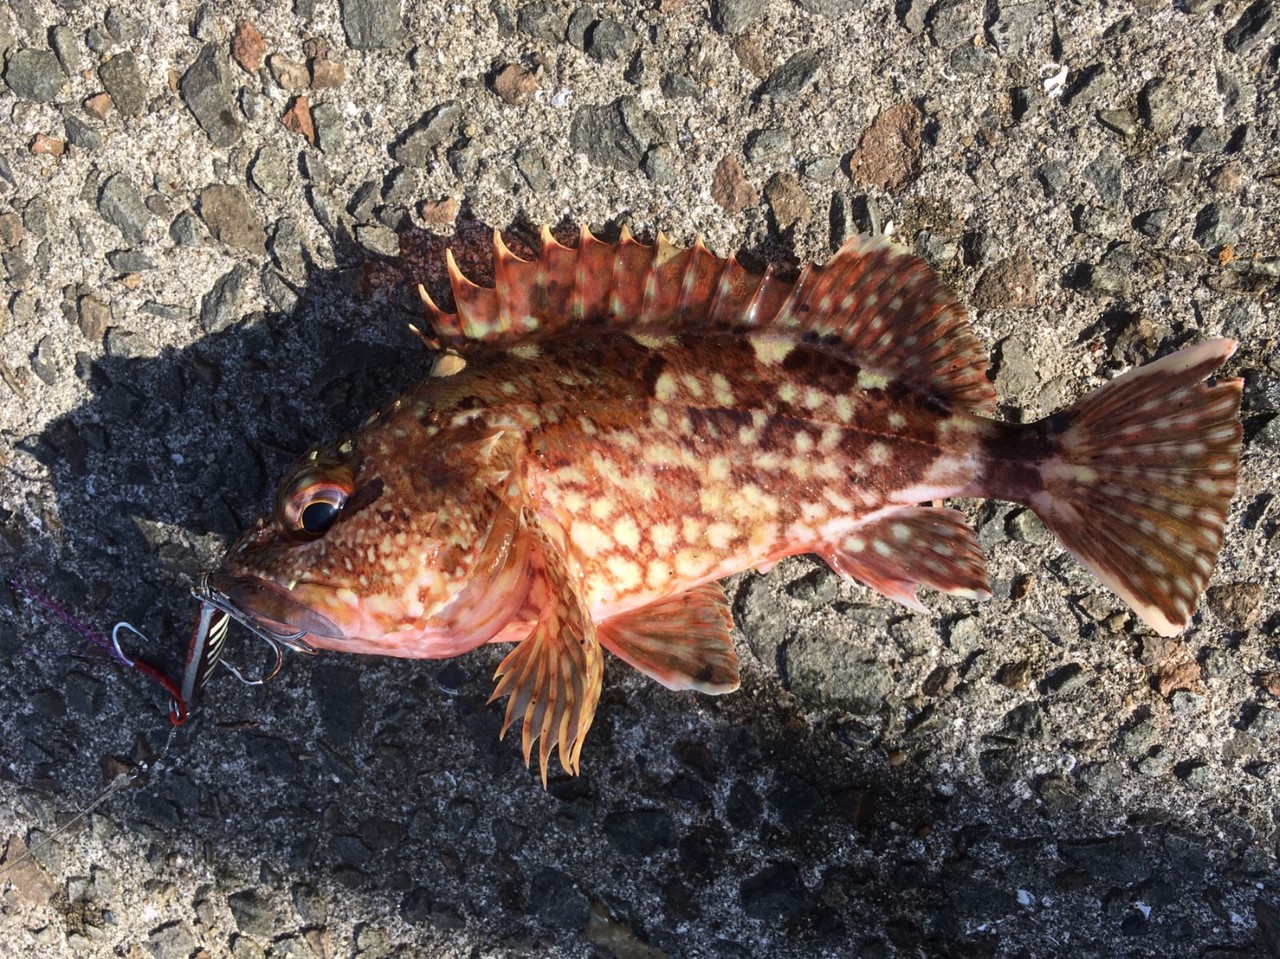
(554, 675)
(681, 641)
(911, 547)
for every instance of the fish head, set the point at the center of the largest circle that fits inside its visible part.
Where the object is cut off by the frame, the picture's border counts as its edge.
(369, 549)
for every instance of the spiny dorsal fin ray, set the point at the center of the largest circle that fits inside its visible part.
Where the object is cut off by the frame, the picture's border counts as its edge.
(873, 304)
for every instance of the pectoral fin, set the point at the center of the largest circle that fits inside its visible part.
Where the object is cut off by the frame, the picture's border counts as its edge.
(682, 641)
(912, 547)
(554, 675)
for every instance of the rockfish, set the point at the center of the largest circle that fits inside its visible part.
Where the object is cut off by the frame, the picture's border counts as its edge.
(613, 428)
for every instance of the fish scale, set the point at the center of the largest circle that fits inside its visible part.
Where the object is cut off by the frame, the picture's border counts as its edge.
(613, 428)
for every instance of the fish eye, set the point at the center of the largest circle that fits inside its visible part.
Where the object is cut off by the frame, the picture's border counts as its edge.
(319, 515)
(313, 501)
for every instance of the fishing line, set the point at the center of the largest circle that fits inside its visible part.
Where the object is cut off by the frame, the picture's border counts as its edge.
(112, 649)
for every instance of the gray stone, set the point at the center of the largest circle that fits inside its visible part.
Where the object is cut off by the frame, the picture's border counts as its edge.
(1159, 106)
(677, 86)
(363, 200)
(614, 134)
(819, 169)
(1218, 223)
(532, 164)
(775, 894)
(734, 16)
(253, 913)
(1053, 176)
(820, 670)
(659, 164)
(1207, 139)
(641, 833)
(1010, 31)
(1255, 25)
(67, 48)
(35, 75)
(207, 91)
(278, 292)
(172, 941)
(371, 24)
(543, 19)
(287, 248)
(378, 239)
(220, 306)
(1065, 679)
(1120, 860)
(45, 361)
(842, 223)
(1025, 721)
(1104, 172)
(1119, 121)
(127, 345)
(1094, 83)
(186, 230)
(952, 22)
(311, 903)
(129, 261)
(415, 145)
(792, 78)
(830, 8)
(610, 40)
(1152, 223)
(971, 60)
(80, 134)
(121, 78)
(120, 204)
(557, 901)
(580, 22)
(771, 143)
(231, 218)
(1108, 280)
(330, 133)
(270, 171)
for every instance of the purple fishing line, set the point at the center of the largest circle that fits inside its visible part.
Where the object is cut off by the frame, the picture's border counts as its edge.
(81, 629)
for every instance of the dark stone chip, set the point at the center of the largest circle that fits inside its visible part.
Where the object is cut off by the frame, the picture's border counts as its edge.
(121, 78)
(371, 24)
(415, 145)
(1255, 25)
(640, 833)
(207, 91)
(616, 134)
(35, 75)
(792, 78)
(558, 901)
(120, 204)
(775, 894)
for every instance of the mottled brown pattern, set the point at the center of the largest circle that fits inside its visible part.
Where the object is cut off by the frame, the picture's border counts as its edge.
(615, 427)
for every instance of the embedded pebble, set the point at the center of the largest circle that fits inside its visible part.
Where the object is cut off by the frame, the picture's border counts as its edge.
(232, 218)
(124, 83)
(35, 75)
(207, 91)
(792, 78)
(615, 134)
(120, 204)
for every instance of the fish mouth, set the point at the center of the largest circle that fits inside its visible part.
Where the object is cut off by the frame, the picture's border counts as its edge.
(267, 609)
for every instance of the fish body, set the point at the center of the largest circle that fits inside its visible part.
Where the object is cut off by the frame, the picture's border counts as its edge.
(612, 429)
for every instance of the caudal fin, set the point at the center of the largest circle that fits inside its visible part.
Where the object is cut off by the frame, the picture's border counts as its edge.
(1139, 486)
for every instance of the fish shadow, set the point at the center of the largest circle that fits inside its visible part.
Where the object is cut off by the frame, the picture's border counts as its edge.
(701, 825)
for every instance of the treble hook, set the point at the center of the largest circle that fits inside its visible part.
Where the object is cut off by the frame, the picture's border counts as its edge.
(275, 669)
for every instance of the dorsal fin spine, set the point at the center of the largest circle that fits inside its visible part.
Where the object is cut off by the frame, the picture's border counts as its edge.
(872, 304)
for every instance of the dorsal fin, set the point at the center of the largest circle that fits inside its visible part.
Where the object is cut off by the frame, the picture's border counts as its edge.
(873, 304)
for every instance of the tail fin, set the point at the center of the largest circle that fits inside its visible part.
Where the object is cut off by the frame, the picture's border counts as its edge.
(1139, 486)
